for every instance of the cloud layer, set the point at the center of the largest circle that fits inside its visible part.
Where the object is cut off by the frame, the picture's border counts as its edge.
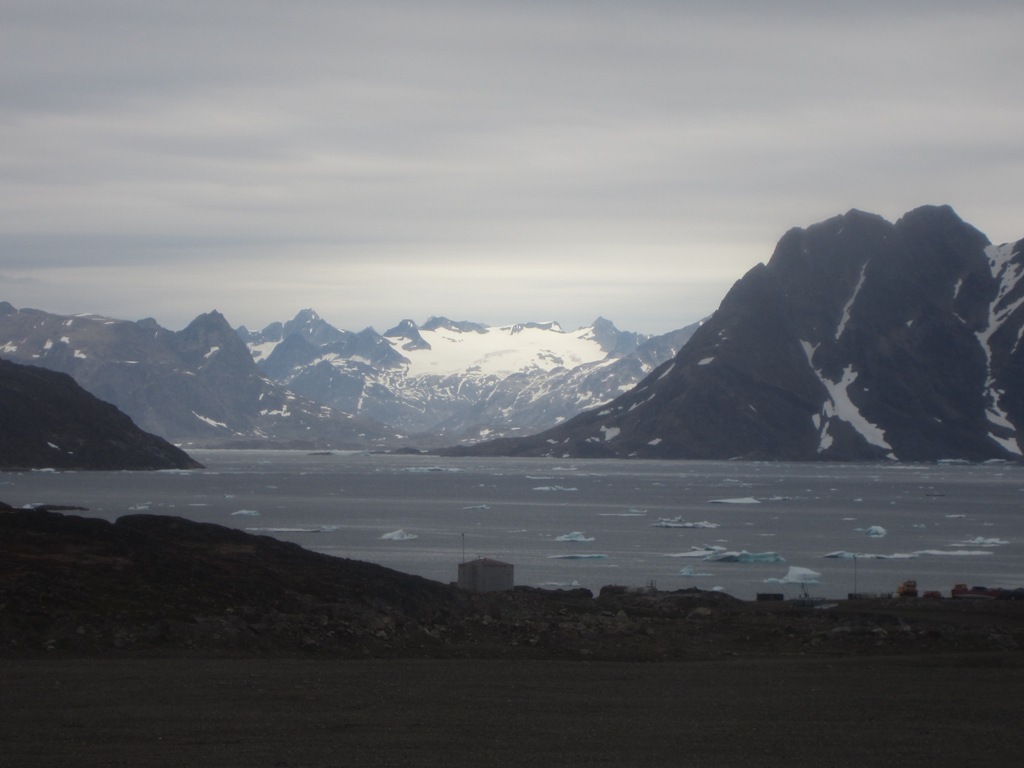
(494, 161)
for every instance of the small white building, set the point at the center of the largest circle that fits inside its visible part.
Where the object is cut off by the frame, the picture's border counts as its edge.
(485, 575)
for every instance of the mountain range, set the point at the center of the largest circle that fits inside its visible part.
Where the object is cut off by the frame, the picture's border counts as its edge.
(459, 381)
(860, 339)
(304, 383)
(198, 386)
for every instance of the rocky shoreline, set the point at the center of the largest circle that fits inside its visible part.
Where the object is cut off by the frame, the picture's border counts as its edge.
(155, 641)
(150, 584)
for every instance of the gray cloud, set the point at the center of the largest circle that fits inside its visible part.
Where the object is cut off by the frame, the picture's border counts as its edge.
(382, 159)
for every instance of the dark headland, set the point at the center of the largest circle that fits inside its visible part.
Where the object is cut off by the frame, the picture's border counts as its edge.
(159, 641)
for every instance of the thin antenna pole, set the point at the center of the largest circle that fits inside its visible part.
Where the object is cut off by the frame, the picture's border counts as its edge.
(463, 547)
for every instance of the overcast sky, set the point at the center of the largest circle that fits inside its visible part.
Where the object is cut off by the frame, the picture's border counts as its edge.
(488, 161)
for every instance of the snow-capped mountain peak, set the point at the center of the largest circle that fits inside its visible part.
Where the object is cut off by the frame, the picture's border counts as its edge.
(452, 376)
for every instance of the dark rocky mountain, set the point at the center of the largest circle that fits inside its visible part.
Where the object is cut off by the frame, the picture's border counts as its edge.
(48, 421)
(198, 385)
(859, 340)
(422, 381)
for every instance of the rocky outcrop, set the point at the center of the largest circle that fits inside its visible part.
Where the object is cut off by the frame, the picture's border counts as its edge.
(48, 421)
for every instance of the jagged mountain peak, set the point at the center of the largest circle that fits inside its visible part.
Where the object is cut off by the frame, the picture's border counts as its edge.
(465, 377)
(197, 384)
(859, 339)
(461, 326)
(550, 325)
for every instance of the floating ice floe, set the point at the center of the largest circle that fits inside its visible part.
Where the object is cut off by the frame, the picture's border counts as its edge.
(477, 507)
(577, 557)
(687, 570)
(245, 513)
(574, 536)
(876, 531)
(678, 522)
(955, 552)
(981, 542)
(699, 553)
(796, 575)
(629, 513)
(554, 488)
(399, 535)
(746, 557)
(743, 500)
(843, 555)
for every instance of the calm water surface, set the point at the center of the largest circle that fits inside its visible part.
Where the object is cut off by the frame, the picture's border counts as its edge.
(593, 523)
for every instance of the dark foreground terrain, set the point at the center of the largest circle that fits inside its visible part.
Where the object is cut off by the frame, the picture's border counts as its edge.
(155, 641)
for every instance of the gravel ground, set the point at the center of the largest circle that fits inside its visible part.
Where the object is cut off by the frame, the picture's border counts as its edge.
(909, 711)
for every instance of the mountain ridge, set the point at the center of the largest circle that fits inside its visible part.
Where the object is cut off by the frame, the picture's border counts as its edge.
(460, 379)
(859, 339)
(48, 421)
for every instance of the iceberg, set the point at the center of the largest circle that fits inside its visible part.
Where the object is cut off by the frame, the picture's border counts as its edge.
(746, 557)
(678, 522)
(744, 500)
(574, 536)
(699, 553)
(954, 553)
(245, 513)
(876, 531)
(844, 555)
(399, 535)
(688, 571)
(796, 575)
(981, 542)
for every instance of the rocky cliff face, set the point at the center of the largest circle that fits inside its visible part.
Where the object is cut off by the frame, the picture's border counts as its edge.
(860, 339)
(48, 421)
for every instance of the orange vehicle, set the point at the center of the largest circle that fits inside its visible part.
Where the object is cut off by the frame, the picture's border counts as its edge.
(907, 589)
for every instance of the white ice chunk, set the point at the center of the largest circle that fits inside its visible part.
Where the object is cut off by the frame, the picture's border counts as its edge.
(797, 575)
(687, 570)
(399, 535)
(574, 536)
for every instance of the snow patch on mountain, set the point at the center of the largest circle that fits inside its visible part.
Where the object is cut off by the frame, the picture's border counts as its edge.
(499, 350)
(1007, 273)
(840, 406)
(849, 304)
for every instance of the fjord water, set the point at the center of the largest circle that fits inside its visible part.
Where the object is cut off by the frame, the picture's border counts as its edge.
(596, 522)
